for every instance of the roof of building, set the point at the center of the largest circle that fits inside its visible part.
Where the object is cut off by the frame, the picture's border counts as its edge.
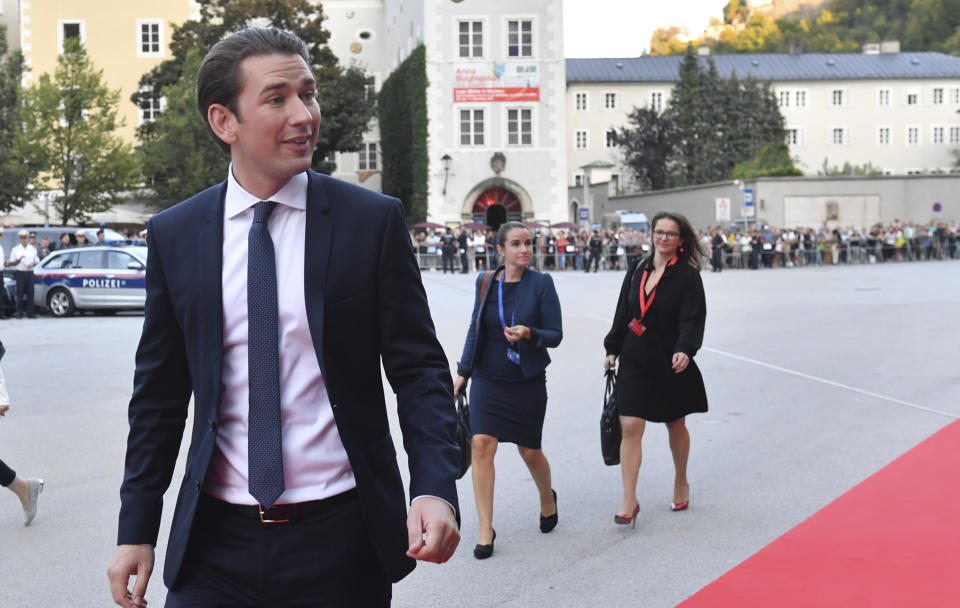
(772, 67)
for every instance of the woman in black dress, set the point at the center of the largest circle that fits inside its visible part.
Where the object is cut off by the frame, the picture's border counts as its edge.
(657, 330)
(516, 317)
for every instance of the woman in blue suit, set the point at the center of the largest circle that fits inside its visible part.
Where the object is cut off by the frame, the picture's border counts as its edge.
(516, 317)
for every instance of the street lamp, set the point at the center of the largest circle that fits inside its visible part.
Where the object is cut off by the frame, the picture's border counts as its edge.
(445, 160)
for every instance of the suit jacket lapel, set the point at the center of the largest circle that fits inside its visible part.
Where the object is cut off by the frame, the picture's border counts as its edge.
(317, 246)
(210, 290)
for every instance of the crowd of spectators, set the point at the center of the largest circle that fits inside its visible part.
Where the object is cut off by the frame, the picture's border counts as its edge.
(462, 250)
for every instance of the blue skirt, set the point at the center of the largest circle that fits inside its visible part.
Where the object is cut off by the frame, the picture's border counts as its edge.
(510, 411)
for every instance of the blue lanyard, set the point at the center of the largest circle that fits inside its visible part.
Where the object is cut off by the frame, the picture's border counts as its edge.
(513, 317)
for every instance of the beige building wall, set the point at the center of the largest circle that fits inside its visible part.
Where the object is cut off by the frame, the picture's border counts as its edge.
(112, 32)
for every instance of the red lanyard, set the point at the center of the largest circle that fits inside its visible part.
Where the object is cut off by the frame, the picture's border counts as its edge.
(645, 304)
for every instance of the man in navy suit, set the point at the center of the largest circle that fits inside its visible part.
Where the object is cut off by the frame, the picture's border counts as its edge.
(292, 495)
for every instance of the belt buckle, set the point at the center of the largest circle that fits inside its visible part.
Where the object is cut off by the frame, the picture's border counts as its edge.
(269, 521)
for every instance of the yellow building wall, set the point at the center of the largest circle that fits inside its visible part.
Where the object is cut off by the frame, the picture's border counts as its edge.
(111, 34)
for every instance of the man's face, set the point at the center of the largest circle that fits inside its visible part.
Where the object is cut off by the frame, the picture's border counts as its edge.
(275, 130)
(81, 238)
(100, 237)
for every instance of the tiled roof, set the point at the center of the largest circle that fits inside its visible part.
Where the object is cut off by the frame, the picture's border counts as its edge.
(772, 67)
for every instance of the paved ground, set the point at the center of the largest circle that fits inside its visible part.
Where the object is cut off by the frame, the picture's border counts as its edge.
(817, 377)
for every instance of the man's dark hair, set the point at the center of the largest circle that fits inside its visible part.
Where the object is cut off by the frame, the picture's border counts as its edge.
(219, 79)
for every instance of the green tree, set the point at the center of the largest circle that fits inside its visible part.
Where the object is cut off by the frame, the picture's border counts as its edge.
(346, 106)
(70, 121)
(772, 160)
(15, 172)
(403, 134)
(177, 152)
(647, 145)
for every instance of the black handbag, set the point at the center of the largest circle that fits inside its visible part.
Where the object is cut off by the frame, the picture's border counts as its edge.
(610, 431)
(464, 435)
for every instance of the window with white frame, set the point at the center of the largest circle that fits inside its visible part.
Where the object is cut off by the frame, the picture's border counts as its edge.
(883, 98)
(783, 98)
(470, 39)
(913, 136)
(581, 141)
(71, 28)
(914, 171)
(913, 98)
(955, 96)
(519, 127)
(581, 102)
(368, 156)
(937, 134)
(656, 101)
(151, 105)
(471, 127)
(839, 136)
(611, 101)
(937, 97)
(883, 136)
(838, 97)
(370, 88)
(793, 137)
(954, 134)
(519, 38)
(800, 97)
(578, 180)
(149, 37)
(610, 140)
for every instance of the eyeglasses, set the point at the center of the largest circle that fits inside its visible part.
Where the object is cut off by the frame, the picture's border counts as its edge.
(661, 234)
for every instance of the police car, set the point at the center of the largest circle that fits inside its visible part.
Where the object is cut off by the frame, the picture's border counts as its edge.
(102, 279)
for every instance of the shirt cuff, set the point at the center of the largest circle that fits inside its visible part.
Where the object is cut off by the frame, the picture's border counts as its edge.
(438, 498)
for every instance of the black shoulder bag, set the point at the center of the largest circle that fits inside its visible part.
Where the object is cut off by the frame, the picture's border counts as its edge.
(610, 431)
(464, 436)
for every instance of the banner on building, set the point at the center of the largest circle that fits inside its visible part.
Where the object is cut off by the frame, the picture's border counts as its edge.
(722, 206)
(484, 82)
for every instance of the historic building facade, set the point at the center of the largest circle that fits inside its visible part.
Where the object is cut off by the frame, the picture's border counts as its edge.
(496, 78)
(124, 38)
(896, 111)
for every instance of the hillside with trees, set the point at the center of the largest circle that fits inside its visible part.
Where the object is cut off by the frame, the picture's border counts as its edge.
(840, 26)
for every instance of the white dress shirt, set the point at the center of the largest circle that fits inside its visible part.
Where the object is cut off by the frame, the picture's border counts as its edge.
(27, 254)
(315, 463)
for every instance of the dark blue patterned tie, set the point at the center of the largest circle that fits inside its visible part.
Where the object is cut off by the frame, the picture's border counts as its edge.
(265, 454)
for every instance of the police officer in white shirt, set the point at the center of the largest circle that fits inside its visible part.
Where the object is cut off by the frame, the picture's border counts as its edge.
(23, 258)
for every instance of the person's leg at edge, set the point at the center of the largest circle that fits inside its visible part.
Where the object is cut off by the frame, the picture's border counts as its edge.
(631, 455)
(539, 468)
(680, 447)
(17, 485)
(483, 449)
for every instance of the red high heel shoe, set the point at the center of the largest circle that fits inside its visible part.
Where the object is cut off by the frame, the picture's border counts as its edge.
(623, 520)
(681, 506)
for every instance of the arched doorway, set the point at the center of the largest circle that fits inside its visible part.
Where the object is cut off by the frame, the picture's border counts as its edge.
(574, 209)
(496, 206)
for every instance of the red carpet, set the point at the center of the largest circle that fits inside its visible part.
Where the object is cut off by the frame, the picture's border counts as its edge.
(893, 540)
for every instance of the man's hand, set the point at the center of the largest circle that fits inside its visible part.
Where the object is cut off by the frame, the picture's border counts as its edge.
(680, 362)
(609, 362)
(432, 530)
(130, 560)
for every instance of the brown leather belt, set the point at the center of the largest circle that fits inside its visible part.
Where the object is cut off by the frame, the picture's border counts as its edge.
(277, 514)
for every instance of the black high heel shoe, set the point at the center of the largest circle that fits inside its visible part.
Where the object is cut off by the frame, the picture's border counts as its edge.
(485, 551)
(550, 522)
